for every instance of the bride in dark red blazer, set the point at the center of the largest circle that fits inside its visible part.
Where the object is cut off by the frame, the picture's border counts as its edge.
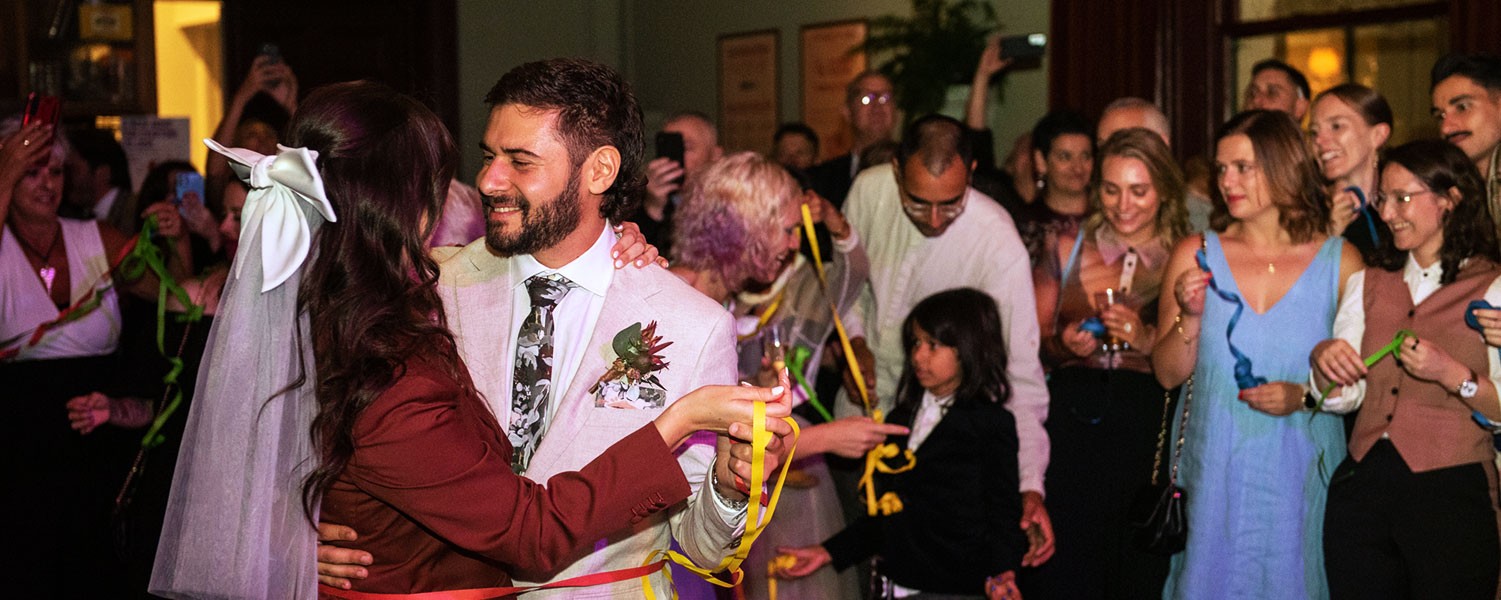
(403, 447)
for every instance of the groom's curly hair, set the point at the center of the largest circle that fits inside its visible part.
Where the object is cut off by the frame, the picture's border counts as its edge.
(596, 108)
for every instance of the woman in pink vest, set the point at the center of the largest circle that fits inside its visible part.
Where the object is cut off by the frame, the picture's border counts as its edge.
(1412, 511)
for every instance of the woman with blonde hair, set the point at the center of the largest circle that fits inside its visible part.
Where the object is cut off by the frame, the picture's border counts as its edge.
(738, 223)
(60, 326)
(1097, 305)
(737, 230)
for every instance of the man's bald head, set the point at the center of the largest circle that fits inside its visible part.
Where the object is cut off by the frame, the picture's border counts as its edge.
(1130, 112)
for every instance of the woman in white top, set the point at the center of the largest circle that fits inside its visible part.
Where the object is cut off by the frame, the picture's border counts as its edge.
(48, 266)
(1412, 511)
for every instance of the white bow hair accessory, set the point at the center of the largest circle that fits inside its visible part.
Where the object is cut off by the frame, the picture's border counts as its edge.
(277, 184)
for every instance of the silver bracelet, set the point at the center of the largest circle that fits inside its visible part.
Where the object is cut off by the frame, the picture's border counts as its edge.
(733, 504)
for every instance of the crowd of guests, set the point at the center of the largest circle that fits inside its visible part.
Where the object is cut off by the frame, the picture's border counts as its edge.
(1026, 342)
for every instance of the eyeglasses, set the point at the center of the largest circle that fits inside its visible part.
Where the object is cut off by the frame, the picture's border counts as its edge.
(919, 207)
(1401, 198)
(869, 99)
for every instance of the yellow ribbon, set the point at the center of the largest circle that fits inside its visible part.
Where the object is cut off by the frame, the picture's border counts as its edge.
(876, 461)
(754, 523)
(890, 503)
(844, 336)
(766, 315)
(782, 561)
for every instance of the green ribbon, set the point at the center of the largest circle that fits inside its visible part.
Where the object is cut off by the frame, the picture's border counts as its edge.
(1393, 348)
(796, 360)
(148, 256)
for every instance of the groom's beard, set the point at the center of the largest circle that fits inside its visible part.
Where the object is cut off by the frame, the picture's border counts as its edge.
(542, 226)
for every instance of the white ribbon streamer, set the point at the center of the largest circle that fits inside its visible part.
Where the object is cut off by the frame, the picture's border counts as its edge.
(277, 185)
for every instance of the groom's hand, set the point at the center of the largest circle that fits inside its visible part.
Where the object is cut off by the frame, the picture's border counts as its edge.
(337, 566)
(736, 454)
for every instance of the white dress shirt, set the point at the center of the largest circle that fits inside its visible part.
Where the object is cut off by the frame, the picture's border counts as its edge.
(981, 250)
(929, 413)
(573, 319)
(1349, 324)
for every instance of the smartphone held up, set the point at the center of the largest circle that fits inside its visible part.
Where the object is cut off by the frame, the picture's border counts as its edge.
(41, 108)
(189, 191)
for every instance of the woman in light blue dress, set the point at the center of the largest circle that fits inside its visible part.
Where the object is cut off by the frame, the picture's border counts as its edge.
(1248, 303)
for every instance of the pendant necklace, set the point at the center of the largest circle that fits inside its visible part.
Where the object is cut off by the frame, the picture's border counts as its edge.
(48, 273)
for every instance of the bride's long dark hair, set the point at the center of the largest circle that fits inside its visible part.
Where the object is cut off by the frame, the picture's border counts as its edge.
(370, 292)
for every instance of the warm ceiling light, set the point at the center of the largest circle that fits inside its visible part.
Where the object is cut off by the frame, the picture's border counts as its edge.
(1324, 62)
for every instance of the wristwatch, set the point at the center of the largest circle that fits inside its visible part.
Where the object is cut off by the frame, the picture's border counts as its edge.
(1309, 401)
(1468, 388)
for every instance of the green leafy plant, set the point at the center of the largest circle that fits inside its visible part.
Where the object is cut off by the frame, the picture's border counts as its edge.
(935, 48)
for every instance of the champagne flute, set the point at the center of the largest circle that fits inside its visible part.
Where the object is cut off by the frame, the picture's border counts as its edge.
(1104, 300)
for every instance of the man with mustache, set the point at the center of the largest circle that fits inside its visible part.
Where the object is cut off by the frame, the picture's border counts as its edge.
(562, 160)
(1467, 104)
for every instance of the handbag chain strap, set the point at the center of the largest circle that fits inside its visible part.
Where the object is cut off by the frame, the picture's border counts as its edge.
(1167, 405)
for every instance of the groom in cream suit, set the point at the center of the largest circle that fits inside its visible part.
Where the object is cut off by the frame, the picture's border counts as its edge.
(562, 154)
(562, 161)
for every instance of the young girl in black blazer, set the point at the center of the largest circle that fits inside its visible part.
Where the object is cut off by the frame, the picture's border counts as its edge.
(955, 532)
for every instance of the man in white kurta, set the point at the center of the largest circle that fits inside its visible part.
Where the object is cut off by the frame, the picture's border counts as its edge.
(932, 232)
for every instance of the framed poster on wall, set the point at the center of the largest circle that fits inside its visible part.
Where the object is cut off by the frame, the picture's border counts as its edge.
(828, 64)
(749, 90)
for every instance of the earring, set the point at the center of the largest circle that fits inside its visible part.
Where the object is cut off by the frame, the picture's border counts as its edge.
(1041, 183)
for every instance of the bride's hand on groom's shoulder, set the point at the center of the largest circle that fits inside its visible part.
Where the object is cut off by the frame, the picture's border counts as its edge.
(631, 248)
(337, 566)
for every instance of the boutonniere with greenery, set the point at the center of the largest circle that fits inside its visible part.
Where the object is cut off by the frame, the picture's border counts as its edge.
(637, 357)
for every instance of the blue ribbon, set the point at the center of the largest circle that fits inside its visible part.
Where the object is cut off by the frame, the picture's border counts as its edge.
(1093, 325)
(1471, 319)
(1244, 378)
(1479, 417)
(1365, 208)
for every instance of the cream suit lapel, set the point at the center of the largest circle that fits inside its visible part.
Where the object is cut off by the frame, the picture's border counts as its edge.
(478, 301)
(625, 304)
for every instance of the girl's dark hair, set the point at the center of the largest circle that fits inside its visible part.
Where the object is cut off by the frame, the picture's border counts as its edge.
(1468, 230)
(370, 293)
(969, 321)
(1292, 174)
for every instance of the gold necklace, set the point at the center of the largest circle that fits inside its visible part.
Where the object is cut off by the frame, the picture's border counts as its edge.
(1271, 264)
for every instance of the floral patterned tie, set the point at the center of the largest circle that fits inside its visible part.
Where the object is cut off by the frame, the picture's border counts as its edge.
(533, 376)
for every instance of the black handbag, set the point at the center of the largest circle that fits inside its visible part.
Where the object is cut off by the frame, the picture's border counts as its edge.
(1159, 512)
